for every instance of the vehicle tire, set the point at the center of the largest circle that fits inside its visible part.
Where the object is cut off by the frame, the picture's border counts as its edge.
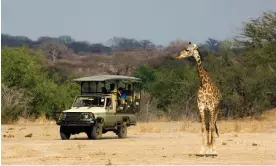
(122, 130)
(97, 131)
(89, 134)
(64, 133)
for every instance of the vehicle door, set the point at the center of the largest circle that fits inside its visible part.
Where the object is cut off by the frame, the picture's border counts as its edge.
(110, 113)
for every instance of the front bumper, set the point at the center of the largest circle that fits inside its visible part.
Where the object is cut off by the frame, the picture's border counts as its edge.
(75, 123)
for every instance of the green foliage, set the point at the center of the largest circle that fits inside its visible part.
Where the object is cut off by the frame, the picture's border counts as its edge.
(260, 31)
(147, 74)
(22, 69)
(171, 86)
(174, 85)
(247, 81)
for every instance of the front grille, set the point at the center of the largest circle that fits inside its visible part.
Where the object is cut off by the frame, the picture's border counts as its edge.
(73, 116)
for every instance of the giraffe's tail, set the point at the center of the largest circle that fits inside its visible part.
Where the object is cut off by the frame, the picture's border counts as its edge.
(216, 129)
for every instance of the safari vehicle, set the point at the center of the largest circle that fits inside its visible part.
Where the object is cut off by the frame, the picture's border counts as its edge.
(106, 103)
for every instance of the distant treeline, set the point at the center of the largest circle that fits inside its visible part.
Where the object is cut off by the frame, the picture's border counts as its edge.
(77, 46)
(115, 43)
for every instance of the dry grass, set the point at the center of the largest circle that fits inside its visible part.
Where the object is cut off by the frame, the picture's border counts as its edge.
(41, 120)
(264, 123)
(148, 128)
(229, 126)
(241, 126)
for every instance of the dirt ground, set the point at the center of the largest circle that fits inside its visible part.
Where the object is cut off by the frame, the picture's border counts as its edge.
(171, 143)
(245, 141)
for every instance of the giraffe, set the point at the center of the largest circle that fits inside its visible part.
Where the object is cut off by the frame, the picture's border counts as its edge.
(208, 99)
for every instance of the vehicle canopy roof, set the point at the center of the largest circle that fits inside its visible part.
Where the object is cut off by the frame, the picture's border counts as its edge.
(101, 78)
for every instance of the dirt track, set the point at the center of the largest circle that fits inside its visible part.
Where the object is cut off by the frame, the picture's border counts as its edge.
(46, 147)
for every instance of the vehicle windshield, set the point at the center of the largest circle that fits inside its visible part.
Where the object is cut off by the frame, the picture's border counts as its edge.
(89, 102)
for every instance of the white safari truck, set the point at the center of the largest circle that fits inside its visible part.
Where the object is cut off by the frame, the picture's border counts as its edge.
(106, 103)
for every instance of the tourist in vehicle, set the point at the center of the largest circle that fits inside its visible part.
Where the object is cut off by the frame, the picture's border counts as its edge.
(114, 95)
(108, 102)
(122, 93)
(87, 103)
(128, 91)
(112, 87)
(121, 96)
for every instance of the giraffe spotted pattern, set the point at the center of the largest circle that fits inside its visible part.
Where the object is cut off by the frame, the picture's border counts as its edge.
(208, 99)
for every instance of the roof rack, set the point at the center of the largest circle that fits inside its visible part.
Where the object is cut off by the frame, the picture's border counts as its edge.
(107, 78)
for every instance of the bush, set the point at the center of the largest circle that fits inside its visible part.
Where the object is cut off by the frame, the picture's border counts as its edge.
(14, 103)
(23, 69)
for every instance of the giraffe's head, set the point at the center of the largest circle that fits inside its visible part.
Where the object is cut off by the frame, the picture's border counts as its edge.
(188, 52)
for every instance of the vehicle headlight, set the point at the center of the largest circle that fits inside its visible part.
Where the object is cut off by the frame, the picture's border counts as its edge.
(63, 116)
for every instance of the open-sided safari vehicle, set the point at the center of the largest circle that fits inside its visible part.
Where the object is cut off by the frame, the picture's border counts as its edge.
(106, 103)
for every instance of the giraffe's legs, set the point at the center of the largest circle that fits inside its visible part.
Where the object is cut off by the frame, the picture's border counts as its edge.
(203, 130)
(213, 133)
(209, 130)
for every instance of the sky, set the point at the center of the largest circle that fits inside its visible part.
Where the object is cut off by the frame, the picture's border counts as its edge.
(161, 21)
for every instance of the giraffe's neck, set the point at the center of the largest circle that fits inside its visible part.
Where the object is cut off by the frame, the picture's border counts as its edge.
(203, 76)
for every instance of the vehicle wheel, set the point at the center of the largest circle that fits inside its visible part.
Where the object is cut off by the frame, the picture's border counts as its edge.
(97, 131)
(89, 134)
(122, 130)
(64, 133)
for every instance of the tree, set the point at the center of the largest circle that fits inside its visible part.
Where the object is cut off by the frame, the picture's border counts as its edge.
(147, 74)
(21, 69)
(120, 63)
(15, 41)
(225, 49)
(213, 44)
(54, 50)
(124, 44)
(43, 39)
(99, 48)
(14, 103)
(176, 46)
(259, 31)
(146, 44)
(65, 39)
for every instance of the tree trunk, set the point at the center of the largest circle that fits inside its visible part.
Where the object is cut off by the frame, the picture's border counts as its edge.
(147, 112)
